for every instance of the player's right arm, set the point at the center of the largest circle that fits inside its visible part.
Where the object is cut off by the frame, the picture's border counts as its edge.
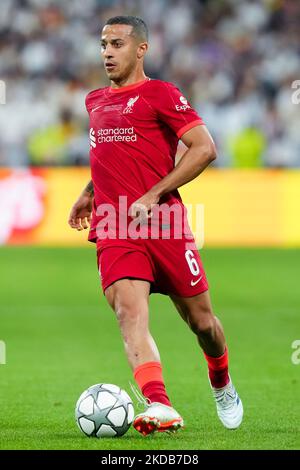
(81, 213)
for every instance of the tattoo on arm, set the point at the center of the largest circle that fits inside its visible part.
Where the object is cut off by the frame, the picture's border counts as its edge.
(90, 188)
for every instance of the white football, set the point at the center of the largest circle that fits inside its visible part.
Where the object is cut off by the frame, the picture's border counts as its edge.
(104, 410)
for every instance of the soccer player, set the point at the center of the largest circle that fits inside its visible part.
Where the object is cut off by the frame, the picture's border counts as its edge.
(135, 125)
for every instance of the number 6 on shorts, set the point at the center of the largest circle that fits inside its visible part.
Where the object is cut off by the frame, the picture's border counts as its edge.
(192, 262)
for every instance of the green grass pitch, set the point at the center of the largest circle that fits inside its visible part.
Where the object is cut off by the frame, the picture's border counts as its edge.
(61, 337)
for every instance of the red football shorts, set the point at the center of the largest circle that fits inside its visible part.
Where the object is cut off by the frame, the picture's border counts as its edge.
(171, 266)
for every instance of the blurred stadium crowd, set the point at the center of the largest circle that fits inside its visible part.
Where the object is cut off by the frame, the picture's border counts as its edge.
(234, 60)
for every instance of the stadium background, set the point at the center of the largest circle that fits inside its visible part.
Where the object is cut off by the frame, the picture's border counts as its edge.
(236, 62)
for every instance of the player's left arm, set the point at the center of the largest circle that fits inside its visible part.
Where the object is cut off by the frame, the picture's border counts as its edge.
(200, 153)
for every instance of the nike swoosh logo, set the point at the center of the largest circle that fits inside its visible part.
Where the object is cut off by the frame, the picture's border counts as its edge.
(97, 107)
(193, 283)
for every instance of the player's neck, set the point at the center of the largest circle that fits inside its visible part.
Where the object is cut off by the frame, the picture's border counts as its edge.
(133, 79)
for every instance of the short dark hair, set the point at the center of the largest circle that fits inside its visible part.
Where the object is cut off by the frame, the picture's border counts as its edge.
(139, 27)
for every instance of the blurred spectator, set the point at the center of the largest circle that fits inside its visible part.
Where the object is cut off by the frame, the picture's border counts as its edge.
(53, 145)
(247, 148)
(234, 60)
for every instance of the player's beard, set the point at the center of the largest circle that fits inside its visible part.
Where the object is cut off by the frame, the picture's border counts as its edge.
(121, 74)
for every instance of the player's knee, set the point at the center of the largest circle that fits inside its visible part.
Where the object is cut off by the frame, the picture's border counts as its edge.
(203, 324)
(128, 314)
(125, 312)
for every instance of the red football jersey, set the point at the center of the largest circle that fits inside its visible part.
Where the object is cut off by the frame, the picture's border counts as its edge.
(134, 132)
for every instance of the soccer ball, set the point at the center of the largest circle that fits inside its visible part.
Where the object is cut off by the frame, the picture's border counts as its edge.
(104, 410)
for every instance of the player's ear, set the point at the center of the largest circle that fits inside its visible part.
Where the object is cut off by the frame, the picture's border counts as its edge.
(142, 49)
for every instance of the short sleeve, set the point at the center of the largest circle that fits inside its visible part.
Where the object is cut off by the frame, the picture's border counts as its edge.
(88, 101)
(174, 110)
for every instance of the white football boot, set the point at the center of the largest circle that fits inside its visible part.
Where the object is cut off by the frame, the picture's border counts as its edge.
(157, 417)
(229, 405)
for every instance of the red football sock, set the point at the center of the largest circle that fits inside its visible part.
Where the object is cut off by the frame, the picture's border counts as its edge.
(218, 369)
(150, 380)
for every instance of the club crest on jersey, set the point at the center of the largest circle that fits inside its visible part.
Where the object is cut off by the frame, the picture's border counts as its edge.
(130, 104)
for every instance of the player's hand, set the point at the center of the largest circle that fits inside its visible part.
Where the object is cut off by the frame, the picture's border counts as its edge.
(81, 213)
(142, 207)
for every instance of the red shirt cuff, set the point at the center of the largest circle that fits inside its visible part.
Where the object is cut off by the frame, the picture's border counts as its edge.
(189, 126)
